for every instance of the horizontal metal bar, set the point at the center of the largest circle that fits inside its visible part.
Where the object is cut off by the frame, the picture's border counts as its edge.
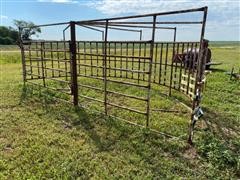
(141, 22)
(122, 29)
(90, 87)
(91, 98)
(146, 15)
(126, 108)
(68, 93)
(45, 41)
(132, 123)
(117, 69)
(59, 80)
(90, 28)
(45, 59)
(126, 95)
(117, 56)
(47, 68)
(135, 26)
(48, 50)
(114, 81)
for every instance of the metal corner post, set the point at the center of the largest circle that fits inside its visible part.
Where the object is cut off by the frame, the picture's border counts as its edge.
(22, 55)
(105, 68)
(200, 70)
(74, 84)
(150, 69)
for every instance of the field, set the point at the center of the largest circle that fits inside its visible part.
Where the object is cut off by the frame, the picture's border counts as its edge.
(41, 138)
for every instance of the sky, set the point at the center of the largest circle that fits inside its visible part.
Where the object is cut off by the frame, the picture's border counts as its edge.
(223, 21)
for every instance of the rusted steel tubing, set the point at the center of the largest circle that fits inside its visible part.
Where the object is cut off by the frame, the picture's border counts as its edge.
(171, 75)
(57, 90)
(117, 69)
(115, 28)
(146, 15)
(138, 26)
(126, 108)
(126, 95)
(91, 98)
(45, 25)
(54, 79)
(160, 64)
(90, 87)
(74, 86)
(48, 68)
(39, 59)
(93, 29)
(137, 41)
(150, 71)
(22, 54)
(113, 92)
(105, 66)
(118, 56)
(124, 17)
(42, 63)
(44, 41)
(141, 22)
(50, 50)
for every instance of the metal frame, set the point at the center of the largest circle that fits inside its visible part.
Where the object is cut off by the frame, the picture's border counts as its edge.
(152, 61)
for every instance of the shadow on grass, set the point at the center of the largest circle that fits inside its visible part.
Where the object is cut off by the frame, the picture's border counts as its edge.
(113, 136)
(221, 124)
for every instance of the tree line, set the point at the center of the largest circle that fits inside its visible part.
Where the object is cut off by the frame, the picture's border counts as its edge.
(10, 35)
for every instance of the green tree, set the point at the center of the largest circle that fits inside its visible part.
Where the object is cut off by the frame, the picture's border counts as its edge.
(27, 29)
(8, 35)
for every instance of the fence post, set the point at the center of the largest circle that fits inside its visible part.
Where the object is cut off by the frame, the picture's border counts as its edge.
(150, 70)
(105, 67)
(74, 85)
(22, 54)
(201, 63)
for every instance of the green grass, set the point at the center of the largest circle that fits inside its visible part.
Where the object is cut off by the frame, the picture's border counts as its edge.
(42, 138)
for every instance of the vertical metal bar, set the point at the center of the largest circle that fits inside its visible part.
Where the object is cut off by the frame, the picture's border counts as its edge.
(139, 60)
(97, 58)
(150, 70)
(175, 34)
(65, 59)
(127, 60)
(59, 73)
(144, 61)
(176, 67)
(190, 66)
(165, 68)
(171, 76)
(132, 59)
(109, 60)
(203, 46)
(160, 66)
(115, 59)
(181, 67)
(79, 57)
(52, 58)
(91, 58)
(22, 54)
(84, 49)
(30, 59)
(155, 63)
(121, 60)
(74, 87)
(37, 61)
(105, 68)
(140, 38)
(42, 59)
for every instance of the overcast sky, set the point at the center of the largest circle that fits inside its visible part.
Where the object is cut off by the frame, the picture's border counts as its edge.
(223, 22)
